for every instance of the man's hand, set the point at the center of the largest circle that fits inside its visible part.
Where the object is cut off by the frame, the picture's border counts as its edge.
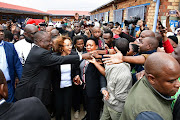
(77, 80)
(93, 60)
(106, 94)
(139, 75)
(86, 55)
(178, 13)
(113, 59)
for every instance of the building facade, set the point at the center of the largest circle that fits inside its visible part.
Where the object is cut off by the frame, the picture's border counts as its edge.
(19, 13)
(120, 10)
(58, 15)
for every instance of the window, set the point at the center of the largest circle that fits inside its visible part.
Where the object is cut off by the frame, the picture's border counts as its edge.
(138, 11)
(118, 15)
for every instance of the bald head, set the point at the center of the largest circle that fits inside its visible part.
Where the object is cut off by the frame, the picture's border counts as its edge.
(148, 44)
(153, 42)
(39, 36)
(49, 29)
(147, 33)
(43, 40)
(162, 72)
(159, 62)
(54, 33)
(29, 32)
(29, 27)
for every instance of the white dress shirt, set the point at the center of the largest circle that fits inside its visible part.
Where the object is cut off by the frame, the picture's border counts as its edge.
(23, 48)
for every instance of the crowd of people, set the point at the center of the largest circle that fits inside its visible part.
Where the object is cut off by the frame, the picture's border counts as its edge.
(115, 73)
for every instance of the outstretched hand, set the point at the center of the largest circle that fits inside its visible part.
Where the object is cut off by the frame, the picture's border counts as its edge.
(113, 59)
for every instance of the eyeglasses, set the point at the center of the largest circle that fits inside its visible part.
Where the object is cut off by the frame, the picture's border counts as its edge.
(68, 45)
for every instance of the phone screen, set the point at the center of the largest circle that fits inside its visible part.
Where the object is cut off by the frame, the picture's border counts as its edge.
(172, 12)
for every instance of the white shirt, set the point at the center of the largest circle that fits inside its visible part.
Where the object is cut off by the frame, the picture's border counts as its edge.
(65, 75)
(23, 48)
(3, 62)
(96, 24)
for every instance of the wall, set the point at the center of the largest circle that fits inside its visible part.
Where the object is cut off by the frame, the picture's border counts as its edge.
(19, 17)
(165, 6)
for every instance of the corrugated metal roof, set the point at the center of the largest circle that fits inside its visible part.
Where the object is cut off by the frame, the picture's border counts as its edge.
(67, 12)
(9, 8)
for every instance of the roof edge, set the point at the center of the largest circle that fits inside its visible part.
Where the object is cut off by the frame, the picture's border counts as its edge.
(110, 2)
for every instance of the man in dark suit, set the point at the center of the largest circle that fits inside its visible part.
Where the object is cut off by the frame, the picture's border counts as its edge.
(9, 64)
(36, 76)
(77, 31)
(25, 109)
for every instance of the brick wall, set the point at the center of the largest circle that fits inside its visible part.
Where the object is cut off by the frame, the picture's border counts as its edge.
(165, 6)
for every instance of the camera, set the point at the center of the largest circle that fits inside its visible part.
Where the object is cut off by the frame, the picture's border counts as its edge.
(133, 21)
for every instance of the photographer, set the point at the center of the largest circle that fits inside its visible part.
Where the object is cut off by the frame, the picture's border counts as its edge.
(131, 25)
(141, 23)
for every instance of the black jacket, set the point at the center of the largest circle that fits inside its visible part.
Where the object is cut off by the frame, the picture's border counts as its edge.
(25, 109)
(94, 81)
(37, 74)
(57, 72)
(71, 35)
(176, 110)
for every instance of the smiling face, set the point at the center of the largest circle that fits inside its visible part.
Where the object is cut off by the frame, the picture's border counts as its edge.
(45, 42)
(67, 47)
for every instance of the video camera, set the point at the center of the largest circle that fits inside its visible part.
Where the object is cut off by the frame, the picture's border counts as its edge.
(133, 21)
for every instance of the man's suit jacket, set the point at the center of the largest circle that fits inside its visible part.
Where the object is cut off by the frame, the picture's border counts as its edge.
(71, 35)
(25, 109)
(14, 64)
(57, 72)
(36, 76)
(94, 81)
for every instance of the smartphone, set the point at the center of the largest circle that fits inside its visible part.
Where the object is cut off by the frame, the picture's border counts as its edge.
(172, 12)
(160, 25)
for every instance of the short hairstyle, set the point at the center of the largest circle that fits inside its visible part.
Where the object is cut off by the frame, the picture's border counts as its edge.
(122, 45)
(111, 22)
(78, 37)
(110, 32)
(8, 35)
(135, 48)
(117, 23)
(60, 41)
(174, 38)
(94, 39)
(153, 41)
(38, 35)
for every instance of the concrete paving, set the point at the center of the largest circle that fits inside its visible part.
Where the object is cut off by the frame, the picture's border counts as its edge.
(82, 114)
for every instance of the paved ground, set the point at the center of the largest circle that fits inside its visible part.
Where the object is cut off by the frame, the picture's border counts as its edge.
(82, 114)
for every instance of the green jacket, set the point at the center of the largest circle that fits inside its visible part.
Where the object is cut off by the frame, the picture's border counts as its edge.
(143, 97)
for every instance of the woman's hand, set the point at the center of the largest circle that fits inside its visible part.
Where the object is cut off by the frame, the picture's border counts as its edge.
(106, 94)
(77, 80)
